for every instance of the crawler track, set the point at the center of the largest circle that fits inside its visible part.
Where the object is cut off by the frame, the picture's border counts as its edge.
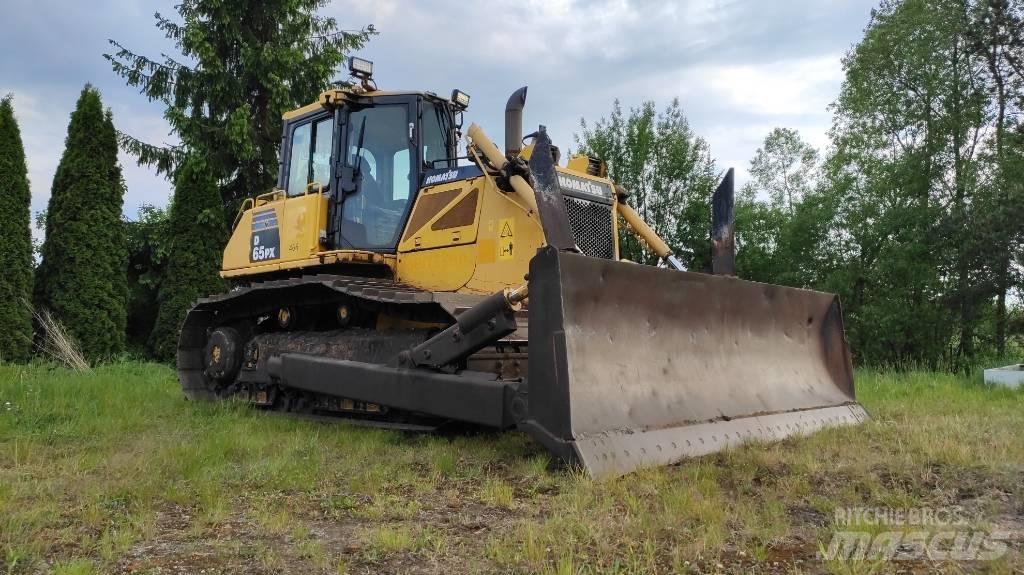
(384, 318)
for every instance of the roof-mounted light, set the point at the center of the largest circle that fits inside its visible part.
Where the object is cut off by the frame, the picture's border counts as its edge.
(360, 68)
(460, 99)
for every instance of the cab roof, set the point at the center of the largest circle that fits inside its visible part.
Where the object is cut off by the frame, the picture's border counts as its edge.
(328, 98)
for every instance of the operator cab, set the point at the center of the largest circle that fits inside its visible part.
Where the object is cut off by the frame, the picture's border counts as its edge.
(368, 154)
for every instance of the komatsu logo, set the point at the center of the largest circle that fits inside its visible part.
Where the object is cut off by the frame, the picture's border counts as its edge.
(579, 185)
(441, 178)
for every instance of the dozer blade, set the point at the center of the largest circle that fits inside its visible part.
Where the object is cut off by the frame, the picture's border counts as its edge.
(633, 366)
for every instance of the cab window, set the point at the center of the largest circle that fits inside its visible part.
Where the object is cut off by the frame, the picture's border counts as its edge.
(401, 174)
(435, 139)
(310, 161)
(298, 169)
(378, 145)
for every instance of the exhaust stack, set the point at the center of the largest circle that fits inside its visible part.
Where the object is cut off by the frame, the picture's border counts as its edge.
(514, 121)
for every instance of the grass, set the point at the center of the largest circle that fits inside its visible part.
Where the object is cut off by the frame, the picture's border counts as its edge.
(111, 471)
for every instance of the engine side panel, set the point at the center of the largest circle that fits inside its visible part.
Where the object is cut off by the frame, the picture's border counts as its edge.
(281, 231)
(467, 236)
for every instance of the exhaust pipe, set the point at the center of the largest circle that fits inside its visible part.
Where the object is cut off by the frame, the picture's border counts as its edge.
(514, 121)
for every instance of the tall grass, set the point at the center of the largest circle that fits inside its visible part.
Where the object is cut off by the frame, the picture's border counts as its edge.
(54, 341)
(111, 468)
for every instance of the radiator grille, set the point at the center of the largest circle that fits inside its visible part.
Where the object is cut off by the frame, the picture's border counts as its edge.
(591, 226)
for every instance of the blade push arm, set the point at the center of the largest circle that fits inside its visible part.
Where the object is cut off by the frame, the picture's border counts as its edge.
(645, 233)
(723, 229)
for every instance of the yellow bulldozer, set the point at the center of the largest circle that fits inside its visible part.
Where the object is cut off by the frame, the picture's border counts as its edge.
(391, 282)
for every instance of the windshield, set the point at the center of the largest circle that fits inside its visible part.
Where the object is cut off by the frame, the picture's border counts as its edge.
(378, 144)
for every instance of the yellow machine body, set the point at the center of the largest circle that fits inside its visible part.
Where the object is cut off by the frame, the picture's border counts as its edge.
(386, 279)
(465, 236)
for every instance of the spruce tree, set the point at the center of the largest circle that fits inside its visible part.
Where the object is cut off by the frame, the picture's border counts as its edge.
(243, 64)
(16, 247)
(197, 234)
(82, 278)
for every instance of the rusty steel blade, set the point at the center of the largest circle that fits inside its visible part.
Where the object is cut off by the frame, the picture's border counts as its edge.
(634, 366)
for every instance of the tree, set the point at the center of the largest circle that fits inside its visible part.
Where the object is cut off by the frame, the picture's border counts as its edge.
(908, 121)
(148, 246)
(16, 248)
(197, 233)
(996, 31)
(243, 64)
(783, 221)
(82, 276)
(669, 172)
(784, 168)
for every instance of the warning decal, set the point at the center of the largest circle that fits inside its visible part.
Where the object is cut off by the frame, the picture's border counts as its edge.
(506, 238)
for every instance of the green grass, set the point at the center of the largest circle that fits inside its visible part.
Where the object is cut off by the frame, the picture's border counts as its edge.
(112, 471)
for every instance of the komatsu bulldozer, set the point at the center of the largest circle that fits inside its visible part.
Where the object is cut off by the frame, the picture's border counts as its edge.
(389, 281)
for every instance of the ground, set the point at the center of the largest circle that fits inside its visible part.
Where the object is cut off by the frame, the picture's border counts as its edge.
(113, 472)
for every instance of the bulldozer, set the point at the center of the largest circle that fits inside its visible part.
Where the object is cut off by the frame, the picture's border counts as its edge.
(392, 282)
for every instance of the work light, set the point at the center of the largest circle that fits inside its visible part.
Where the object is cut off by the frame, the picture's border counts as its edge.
(359, 67)
(460, 99)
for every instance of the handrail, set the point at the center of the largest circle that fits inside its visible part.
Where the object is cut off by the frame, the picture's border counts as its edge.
(261, 199)
(241, 210)
(321, 233)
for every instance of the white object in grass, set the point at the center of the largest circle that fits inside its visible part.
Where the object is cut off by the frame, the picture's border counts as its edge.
(1008, 376)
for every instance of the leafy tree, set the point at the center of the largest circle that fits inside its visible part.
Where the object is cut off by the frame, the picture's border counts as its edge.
(197, 233)
(669, 172)
(148, 246)
(82, 276)
(785, 168)
(781, 219)
(16, 248)
(908, 119)
(997, 31)
(243, 64)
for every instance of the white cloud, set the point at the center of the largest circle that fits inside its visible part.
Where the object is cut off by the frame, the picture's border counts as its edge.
(787, 88)
(739, 67)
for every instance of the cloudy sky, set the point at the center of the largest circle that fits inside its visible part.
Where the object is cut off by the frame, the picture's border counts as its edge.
(739, 67)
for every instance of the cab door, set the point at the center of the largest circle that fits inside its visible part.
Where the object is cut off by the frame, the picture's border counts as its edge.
(302, 216)
(380, 160)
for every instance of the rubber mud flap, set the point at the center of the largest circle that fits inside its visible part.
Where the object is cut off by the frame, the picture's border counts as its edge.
(634, 366)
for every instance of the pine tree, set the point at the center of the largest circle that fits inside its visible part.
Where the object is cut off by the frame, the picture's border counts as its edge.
(82, 278)
(16, 248)
(244, 64)
(197, 233)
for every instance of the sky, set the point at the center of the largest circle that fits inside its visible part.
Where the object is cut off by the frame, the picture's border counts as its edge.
(738, 67)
